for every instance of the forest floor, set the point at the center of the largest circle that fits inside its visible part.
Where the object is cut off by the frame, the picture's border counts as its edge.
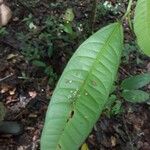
(33, 53)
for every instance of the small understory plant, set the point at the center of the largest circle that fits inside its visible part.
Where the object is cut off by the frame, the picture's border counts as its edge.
(83, 89)
(132, 88)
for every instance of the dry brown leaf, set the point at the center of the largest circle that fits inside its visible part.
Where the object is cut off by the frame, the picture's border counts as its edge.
(4, 88)
(12, 92)
(11, 56)
(15, 19)
(113, 141)
(11, 99)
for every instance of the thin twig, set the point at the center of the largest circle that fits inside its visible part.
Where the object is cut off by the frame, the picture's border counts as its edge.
(2, 79)
(127, 14)
(123, 70)
(128, 9)
(93, 14)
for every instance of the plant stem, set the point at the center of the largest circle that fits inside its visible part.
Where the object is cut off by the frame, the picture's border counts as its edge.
(127, 14)
(128, 10)
(93, 14)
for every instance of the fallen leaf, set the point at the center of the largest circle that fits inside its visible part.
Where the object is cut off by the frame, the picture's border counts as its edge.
(12, 92)
(11, 56)
(113, 141)
(4, 88)
(15, 19)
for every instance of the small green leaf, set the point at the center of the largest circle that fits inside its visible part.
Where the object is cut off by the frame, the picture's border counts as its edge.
(117, 108)
(69, 15)
(50, 49)
(32, 26)
(3, 31)
(84, 147)
(39, 63)
(135, 96)
(110, 101)
(136, 82)
(67, 28)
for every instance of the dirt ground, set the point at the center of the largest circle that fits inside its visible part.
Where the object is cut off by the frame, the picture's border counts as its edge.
(25, 91)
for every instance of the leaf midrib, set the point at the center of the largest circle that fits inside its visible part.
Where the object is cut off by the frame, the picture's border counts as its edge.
(82, 87)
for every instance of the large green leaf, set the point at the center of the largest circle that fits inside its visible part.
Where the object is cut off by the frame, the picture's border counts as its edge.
(136, 82)
(142, 25)
(83, 90)
(135, 96)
